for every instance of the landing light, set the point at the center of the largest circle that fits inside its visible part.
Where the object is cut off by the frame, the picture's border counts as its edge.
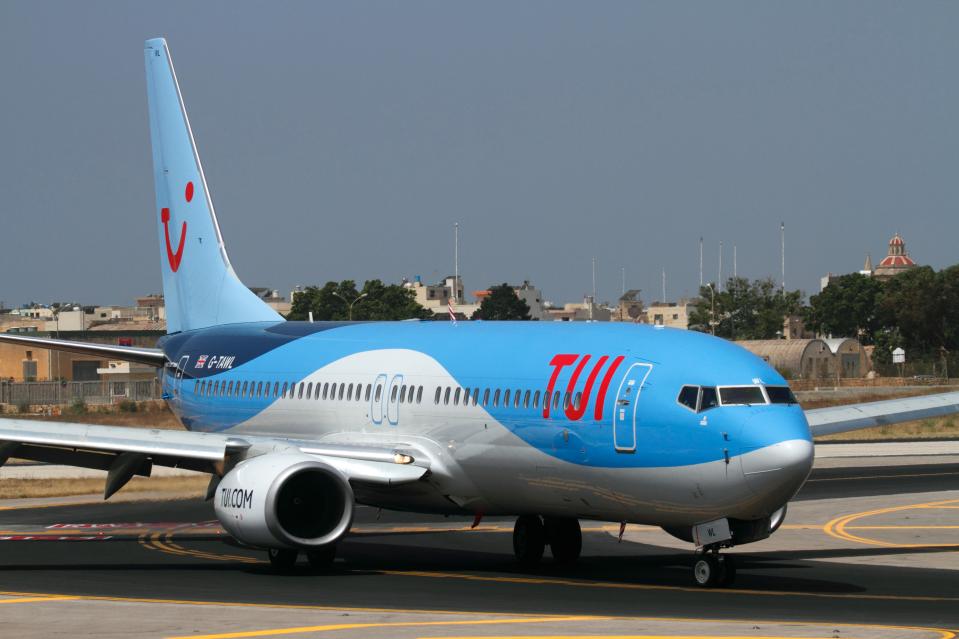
(400, 458)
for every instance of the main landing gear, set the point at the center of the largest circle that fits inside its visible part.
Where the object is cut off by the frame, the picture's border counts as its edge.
(532, 534)
(283, 560)
(712, 569)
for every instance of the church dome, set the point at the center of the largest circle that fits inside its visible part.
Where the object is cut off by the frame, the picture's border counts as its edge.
(897, 259)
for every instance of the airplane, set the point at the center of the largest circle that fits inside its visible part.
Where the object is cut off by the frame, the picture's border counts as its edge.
(550, 422)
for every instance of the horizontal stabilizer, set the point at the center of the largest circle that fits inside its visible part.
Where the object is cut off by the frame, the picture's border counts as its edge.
(148, 356)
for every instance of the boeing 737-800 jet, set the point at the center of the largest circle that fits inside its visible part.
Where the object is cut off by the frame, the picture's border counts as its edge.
(549, 422)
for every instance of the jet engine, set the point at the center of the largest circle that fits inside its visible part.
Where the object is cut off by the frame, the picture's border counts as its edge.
(285, 500)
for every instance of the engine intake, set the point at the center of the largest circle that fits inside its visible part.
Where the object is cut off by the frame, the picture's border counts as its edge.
(285, 500)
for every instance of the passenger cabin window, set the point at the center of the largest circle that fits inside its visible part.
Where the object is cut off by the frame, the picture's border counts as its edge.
(742, 395)
(446, 396)
(781, 395)
(419, 394)
(379, 393)
(475, 396)
(688, 397)
(369, 389)
(485, 397)
(516, 396)
(496, 398)
(436, 397)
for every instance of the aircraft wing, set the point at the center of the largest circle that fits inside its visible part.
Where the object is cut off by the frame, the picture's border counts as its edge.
(125, 452)
(841, 419)
(149, 356)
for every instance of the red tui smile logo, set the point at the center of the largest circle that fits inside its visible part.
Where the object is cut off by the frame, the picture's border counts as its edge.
(174, 258)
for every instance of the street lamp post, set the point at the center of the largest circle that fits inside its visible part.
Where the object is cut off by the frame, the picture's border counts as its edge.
(350, 304)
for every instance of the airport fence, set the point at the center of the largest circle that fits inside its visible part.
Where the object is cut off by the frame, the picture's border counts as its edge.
(96, 392)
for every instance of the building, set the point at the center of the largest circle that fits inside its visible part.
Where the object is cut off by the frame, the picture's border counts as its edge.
(630, 308)
(437, 297)
(585, 311)
(811, 358)
(526, 292)
(671, 314)
(896, 261)
(272, 298)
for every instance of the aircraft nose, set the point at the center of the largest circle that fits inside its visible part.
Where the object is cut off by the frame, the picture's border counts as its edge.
(777, 471)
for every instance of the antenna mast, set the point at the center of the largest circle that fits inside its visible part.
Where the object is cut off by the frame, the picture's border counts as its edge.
(782, 241)
(700, 261)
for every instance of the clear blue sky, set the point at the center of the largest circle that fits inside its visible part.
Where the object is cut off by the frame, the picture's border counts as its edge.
(344, 139)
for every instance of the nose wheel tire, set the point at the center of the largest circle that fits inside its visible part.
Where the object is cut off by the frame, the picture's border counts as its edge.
(565, 539)
(712, 570)
(529, 540)
(281, 559)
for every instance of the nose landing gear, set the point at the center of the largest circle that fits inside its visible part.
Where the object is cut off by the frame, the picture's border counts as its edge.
(712, 569)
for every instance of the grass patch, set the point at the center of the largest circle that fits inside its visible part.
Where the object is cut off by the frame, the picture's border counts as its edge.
(26, 488)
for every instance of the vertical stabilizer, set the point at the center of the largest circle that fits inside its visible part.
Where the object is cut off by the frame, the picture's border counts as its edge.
(199, 284)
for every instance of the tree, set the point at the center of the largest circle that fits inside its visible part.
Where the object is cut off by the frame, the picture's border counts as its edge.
(912, 303)
(502, 304)
(744, 310)
(848, 307)
(381, 302)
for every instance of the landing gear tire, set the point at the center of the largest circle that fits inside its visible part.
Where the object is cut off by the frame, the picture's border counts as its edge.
(529, 540)
(706, 571)
(713, 569)
(281, 559)
(728, 575)
(321, 559)
(565, 539)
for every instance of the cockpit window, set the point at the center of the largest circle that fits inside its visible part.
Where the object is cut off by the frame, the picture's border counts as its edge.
(688, 397)
(708, 399)
(747, 395)
(781, 395)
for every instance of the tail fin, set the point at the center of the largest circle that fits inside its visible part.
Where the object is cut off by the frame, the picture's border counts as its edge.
(199, 284)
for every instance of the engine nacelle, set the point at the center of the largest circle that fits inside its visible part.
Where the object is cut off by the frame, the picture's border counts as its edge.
(285, 500)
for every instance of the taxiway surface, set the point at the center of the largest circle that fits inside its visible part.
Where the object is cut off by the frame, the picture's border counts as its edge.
(866, 551)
